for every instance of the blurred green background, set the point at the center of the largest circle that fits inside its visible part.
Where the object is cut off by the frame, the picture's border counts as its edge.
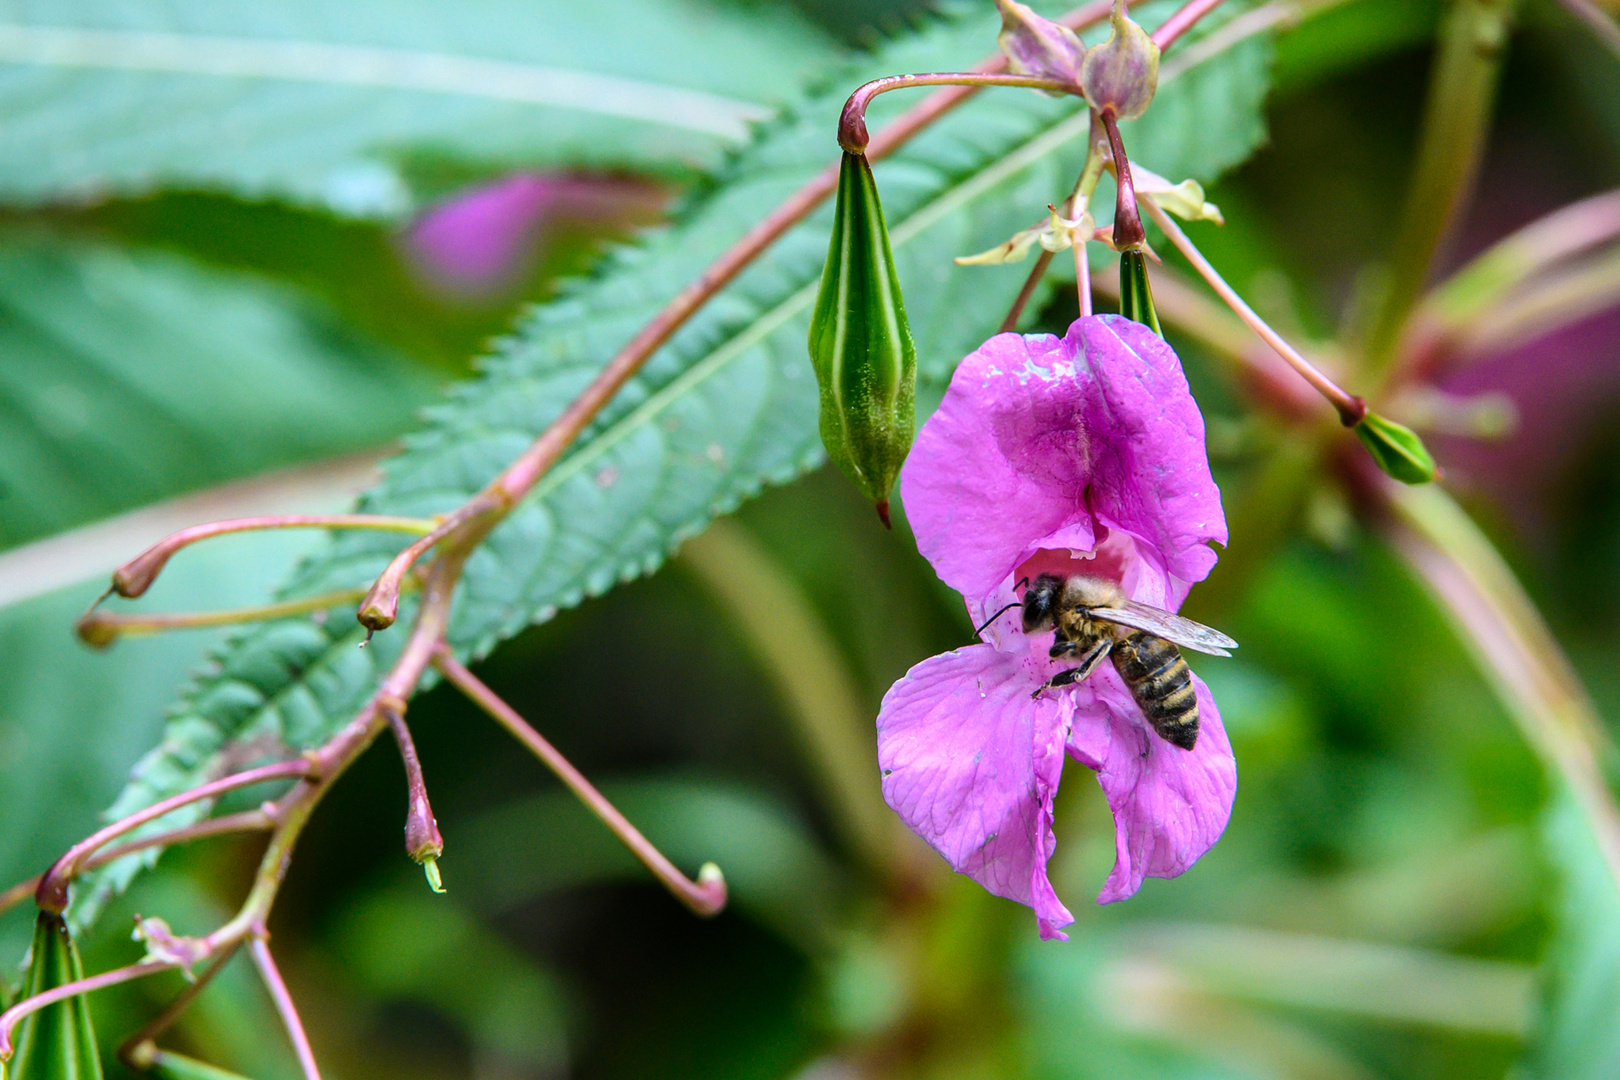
(1399, 893)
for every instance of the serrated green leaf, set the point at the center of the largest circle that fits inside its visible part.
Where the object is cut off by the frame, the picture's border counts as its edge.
(130, 376)
(328, 105)
(728, 406)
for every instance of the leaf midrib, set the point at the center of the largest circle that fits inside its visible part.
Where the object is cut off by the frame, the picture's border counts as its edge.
(295, 60)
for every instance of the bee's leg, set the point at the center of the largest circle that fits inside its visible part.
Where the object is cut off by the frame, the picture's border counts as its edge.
(1088, 664)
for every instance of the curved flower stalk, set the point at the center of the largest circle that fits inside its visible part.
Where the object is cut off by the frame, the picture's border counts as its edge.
(1083, 454)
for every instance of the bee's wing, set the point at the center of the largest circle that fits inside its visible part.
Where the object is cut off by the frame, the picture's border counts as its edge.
(1173, 628)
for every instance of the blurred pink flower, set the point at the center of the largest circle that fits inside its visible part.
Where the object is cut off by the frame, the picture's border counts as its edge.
(1079, 454)
(480, 242)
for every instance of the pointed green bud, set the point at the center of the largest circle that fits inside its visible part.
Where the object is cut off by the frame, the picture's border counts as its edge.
(56, 1043)
(1135, 294)
(1122, 73)
(861, 345)
(1397, 449)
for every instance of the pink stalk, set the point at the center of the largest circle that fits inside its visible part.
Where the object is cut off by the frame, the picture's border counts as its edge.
(247, 821)
(852, 134)
(138, 1051)
(18, 1012)
(136, 576)
(705, 896)
(52, 894)
(259, 949)
(1351, 408)
(1182, 21)
(1036, 272)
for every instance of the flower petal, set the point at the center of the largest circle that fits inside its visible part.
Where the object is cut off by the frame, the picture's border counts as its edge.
(1042, 439)
(1170, 805)
(1153, 479)
(972, 763)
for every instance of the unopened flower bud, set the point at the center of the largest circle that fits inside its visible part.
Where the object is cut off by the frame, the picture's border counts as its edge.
(1397, 449)
(58, 1040)
(1037, 46)
(1121, 74)
(861, 344)
(1135, 294)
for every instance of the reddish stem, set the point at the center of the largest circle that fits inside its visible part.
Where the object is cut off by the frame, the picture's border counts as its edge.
(136, 576)
(259, 949)
(138, 1047)
(18, 1012)
(706, 896)
(1182, 21)
(1036, 272)
(852, 136)
(52, 894)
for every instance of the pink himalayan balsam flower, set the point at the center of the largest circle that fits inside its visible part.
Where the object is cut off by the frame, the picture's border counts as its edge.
(1080, 454)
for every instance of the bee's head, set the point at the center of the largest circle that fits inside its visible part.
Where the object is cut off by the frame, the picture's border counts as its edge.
(1040, 602)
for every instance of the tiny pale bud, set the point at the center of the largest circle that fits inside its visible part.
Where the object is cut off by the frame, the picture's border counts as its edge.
(1122, 73)
(1037, 46)
(860, 343)
(1397, 449)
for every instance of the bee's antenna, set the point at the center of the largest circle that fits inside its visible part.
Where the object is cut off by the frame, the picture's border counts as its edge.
(996, 616)
(1022, 582)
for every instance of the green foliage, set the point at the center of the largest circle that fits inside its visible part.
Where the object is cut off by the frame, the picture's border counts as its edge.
(129, 376)
(361, 109)
(1579, 1036)
(727, 407)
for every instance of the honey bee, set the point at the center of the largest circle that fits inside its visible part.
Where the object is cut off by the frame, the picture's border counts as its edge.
(1094, 619)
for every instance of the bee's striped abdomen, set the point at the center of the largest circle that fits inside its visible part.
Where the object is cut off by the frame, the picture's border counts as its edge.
(1161, 684)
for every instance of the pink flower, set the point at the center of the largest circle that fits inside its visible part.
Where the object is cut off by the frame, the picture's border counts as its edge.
(1076, 455)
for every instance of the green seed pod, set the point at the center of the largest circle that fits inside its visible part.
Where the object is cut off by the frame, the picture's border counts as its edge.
(56, 1043)
(861, 344)
(1397, 449)
(1135, 294)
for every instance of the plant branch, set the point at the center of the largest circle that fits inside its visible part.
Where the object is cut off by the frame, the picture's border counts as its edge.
(1512, 648)
(1036, 272)
(1182, 21)
(138, 1050)
(1351, 408)
(705, 896)
(20, 1011)
(100, 629)
(52, 894)
(247, 821)
(259, 949)
(136, 576)
(852, 134)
